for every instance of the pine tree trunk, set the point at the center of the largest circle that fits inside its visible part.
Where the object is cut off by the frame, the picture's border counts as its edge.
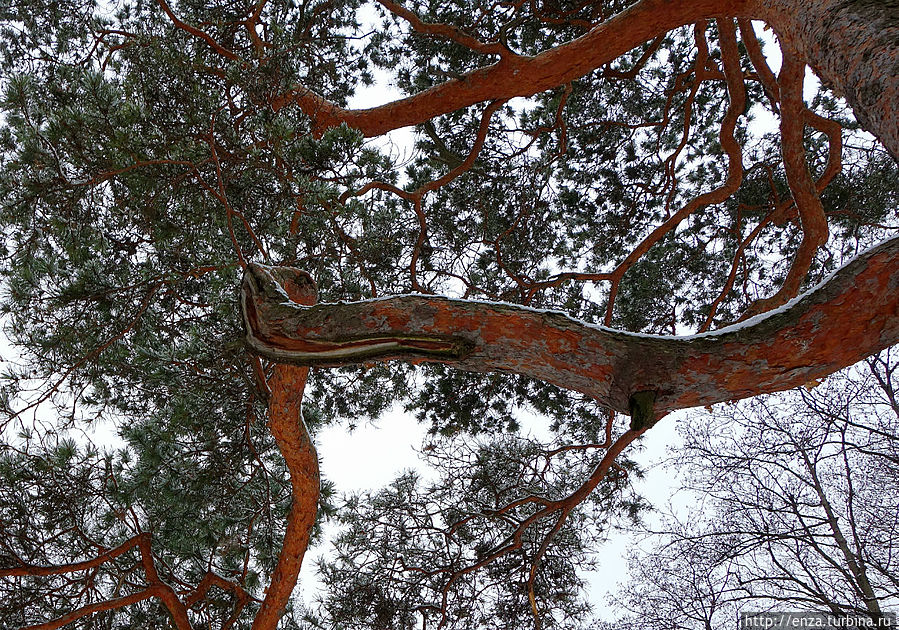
(853, 46)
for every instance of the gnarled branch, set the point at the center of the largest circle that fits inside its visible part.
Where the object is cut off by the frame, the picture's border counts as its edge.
(851, 315)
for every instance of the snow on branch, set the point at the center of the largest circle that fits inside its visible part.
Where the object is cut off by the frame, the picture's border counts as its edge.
(852, 314)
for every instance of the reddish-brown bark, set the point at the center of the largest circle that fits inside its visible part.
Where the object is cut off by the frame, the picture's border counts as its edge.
(853, 45)
(802, 185)
(736, 103)
(90, 609)
(156, 587)
(59, 569)
(516, 75)
(853, 314)
(289, 430)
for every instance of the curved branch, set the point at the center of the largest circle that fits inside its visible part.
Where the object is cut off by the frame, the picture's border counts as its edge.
(90, 609)
(416, 196)
(560, 508)
(736, 93)
(518, 75)
(162, 590)
(43, 570)
(851, 315)
(445, 30)
(851, 44)
(732, 274)
(292, 437)
(473, 154)
(206, 37)
(802, 187)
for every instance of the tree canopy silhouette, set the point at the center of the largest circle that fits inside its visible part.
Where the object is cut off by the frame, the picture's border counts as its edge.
(202, 237)
(798, 491)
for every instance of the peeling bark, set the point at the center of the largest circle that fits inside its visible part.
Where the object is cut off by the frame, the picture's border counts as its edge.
(853, 314)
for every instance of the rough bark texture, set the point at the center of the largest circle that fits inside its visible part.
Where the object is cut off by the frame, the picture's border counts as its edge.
(853, 45)
(852, 315)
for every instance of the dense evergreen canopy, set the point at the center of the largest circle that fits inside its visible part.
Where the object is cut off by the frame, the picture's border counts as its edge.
(151, 151)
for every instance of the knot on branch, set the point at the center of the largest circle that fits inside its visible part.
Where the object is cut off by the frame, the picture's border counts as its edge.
(642, 407)
(851, 315)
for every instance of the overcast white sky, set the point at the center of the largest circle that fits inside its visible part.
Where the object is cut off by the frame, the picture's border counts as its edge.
(373, 455)
(356, 461)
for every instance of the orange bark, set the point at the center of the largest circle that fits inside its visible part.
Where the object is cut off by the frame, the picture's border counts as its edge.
(286, 418)
(853, 45)
(802, 186)
(852, 315)
(518, 75)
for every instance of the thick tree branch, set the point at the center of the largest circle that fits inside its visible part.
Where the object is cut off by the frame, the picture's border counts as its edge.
(212, 579)
(851, 44)
(519, 75)
(285, 415)
(851, 315)
(166, 593)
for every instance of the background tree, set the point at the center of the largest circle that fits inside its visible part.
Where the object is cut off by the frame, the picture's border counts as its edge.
(153, 154)
(798, 495)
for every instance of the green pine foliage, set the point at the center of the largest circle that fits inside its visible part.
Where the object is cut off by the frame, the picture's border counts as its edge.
(139, 166)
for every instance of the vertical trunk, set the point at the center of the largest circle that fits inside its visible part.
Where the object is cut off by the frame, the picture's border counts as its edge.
(852, 557)
(853, 45)
(289, 430)
(299, 453)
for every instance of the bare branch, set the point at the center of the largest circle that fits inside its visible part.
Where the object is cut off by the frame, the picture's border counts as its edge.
(206, 37)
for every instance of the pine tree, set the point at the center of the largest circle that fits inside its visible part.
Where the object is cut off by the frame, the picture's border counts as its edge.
(598, 159)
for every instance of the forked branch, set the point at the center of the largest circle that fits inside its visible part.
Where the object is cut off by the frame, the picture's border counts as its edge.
(287, 385)
(835, 39)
